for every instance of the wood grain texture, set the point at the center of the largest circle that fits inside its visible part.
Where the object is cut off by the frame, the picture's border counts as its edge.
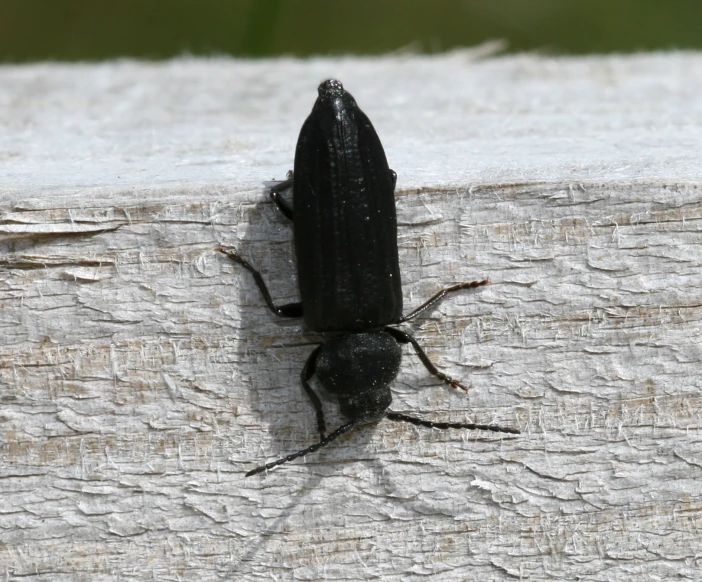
(141, 374)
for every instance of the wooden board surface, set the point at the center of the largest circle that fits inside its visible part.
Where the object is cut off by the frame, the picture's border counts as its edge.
(141, 375)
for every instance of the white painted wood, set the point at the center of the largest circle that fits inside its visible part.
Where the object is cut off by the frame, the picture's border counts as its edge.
(141, 375)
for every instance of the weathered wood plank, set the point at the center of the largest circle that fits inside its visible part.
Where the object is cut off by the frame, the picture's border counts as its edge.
(141, 374)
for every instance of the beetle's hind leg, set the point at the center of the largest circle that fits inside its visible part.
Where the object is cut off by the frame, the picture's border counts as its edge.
(283, 205)
(405, 338)
(288, 310)
(306, 375)
(434, 299)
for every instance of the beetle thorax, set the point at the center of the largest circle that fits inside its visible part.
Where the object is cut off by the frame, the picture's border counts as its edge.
(358, 368)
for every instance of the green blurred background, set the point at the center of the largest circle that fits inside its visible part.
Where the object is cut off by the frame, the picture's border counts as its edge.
(100, 29)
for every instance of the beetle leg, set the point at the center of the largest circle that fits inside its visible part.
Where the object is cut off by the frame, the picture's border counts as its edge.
(289, 310)
(307, 373)
(405, 338)
(434, 299)
(283, 205)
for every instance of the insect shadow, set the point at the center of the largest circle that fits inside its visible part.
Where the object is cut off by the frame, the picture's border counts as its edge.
(271, 349)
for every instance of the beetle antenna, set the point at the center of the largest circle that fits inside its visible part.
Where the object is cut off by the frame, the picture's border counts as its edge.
(396, 416)
(323, 443)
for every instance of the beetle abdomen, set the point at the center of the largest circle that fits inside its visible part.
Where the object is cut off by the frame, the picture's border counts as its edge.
(344, 220)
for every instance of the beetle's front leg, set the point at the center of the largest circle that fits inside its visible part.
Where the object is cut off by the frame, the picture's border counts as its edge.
(289, 310)
(405, 338)
(306, 376)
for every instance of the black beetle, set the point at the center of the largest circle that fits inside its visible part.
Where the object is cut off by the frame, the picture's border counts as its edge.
(345, 233)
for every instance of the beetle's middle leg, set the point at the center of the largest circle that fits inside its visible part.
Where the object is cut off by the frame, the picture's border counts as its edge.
(405, 338)
(288, 310)
(434, 299)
